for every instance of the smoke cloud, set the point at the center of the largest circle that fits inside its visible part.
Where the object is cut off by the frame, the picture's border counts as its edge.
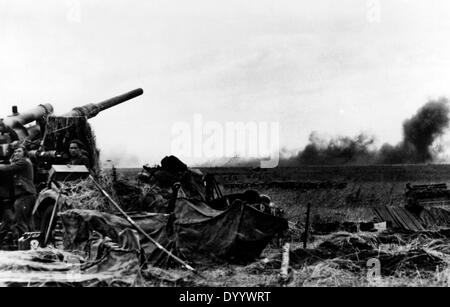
(340, 150)
(419, 135)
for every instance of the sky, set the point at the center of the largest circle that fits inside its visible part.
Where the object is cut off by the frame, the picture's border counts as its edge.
(335, 67)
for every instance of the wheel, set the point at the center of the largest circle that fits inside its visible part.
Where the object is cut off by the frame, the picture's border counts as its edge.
(54, 235)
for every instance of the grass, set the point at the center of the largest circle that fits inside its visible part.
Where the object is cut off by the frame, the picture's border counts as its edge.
(339, 271)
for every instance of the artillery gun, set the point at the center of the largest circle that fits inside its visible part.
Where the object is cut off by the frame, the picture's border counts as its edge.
(47, 137)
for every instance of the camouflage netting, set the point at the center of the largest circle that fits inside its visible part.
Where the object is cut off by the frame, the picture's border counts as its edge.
(82, 194)
(61, 130)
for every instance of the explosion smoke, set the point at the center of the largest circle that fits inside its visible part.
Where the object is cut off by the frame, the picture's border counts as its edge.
(419, 135)
(418, 145)
(340, 150)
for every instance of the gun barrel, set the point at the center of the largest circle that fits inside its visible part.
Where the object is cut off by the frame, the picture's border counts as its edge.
(17, 122)
(91, 110)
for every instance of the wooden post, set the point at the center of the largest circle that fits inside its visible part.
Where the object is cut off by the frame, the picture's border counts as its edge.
(305, 237)
(285, 263)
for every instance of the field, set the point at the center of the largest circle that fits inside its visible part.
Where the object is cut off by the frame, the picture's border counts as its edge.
(333, 257)
(364, 186)
(348, 191)
(339, 258)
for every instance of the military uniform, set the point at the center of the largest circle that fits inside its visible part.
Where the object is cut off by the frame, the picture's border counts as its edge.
(24, 192)
(81, 160)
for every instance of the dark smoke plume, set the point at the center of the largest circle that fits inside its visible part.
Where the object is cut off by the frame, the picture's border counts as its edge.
(419, 134)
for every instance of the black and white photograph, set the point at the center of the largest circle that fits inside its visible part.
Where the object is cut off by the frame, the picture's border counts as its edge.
(224, 150)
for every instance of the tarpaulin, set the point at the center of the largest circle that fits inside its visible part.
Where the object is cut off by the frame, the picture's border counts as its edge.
(192, 231)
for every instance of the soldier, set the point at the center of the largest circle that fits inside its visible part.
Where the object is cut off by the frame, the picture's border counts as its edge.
(7, 137)
(21, 169)
(77, 154)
